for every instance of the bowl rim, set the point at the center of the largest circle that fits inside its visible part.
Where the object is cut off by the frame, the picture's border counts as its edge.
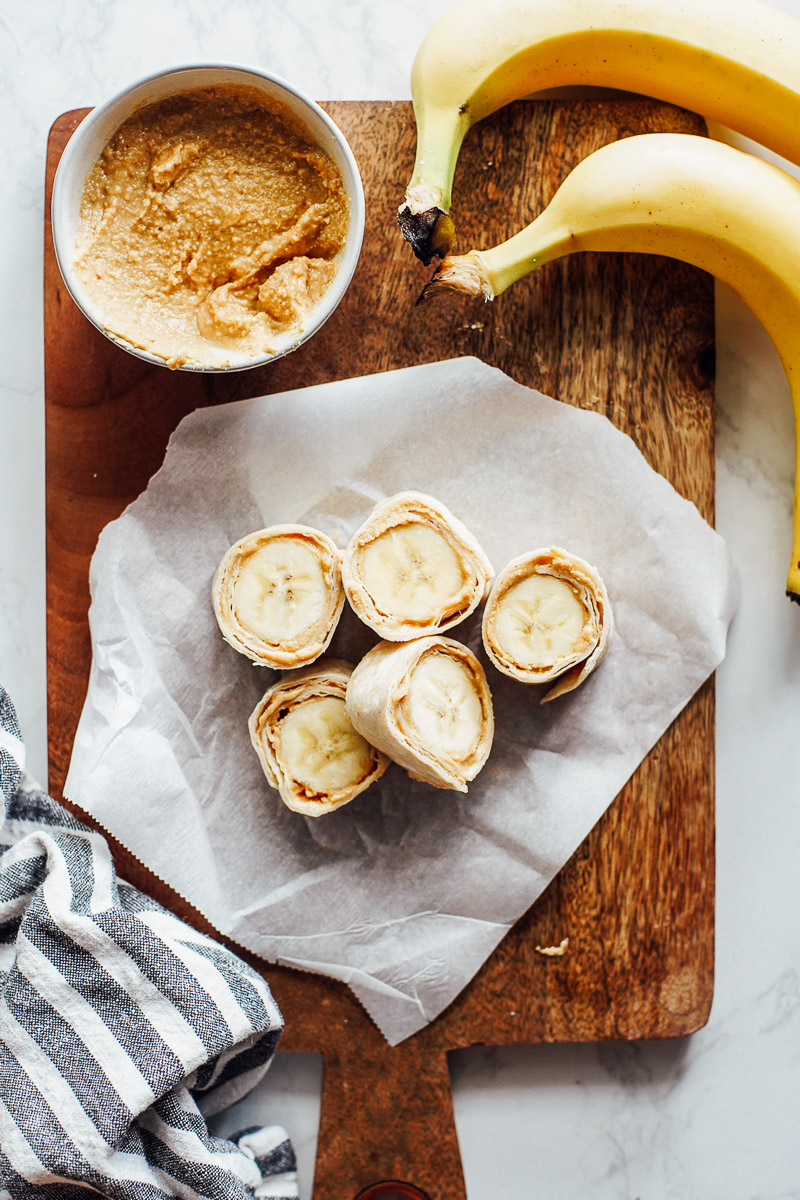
(349, 169)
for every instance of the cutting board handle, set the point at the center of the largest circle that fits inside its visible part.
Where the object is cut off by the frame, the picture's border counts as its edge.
(387, 1124)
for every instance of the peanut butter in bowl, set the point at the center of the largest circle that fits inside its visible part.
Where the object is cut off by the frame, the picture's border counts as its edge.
(211, 227)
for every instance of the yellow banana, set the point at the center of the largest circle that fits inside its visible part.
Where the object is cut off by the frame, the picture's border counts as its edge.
(686, 197)
(736, 62)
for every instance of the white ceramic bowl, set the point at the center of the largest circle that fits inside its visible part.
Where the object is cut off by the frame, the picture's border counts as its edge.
(92, 135)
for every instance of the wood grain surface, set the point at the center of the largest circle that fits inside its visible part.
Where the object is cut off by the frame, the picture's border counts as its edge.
(628, 336)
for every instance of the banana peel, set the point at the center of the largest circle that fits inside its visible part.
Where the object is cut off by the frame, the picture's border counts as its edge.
(735, 61)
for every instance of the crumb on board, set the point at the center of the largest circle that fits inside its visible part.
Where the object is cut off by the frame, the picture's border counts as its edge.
(554, 951)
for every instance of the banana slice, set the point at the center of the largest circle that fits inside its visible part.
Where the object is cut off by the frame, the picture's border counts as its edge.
(426, 704)
(413, 569)
(547, 617)
(306, 743)
(277, 595)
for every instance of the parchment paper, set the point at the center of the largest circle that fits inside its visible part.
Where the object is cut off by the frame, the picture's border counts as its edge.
(396, 893)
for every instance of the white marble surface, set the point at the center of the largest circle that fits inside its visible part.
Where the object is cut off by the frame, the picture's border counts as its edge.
(715, 1115)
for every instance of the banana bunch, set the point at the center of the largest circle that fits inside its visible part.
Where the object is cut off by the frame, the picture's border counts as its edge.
(735, 61)
(686, 197)
(690, 198)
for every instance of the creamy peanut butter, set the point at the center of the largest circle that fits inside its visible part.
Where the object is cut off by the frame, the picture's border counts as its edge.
(210, 227)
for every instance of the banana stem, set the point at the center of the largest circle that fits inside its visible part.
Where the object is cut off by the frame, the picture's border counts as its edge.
(544, 240)
(440, 133)
(424, 217)
(488, 273)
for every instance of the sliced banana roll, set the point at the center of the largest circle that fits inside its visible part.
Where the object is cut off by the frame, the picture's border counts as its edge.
(547, 617)
(413, 569)
(306, 743)
(426, 704)
(277, 595)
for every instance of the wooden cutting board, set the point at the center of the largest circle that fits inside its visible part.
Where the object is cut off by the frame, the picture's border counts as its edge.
(628, 336)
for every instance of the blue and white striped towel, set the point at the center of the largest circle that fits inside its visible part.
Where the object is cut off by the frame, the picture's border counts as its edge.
(121, 1029)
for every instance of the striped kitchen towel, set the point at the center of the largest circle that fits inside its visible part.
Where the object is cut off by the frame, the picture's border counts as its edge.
(121, 1028)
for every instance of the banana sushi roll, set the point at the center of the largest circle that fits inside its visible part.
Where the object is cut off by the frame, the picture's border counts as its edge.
(426, 704)
(306, 743)
(413, 569)
(547, 617)
(277, 595)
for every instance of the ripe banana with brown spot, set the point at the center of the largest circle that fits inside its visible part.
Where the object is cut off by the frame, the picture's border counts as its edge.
(686, 197)
(736, 62)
